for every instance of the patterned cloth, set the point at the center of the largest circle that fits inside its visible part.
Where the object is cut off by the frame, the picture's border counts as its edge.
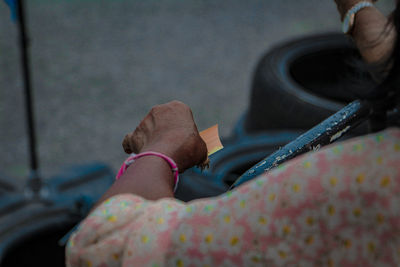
(339, 206)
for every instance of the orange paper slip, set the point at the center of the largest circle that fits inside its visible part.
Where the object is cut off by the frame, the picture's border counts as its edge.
(212, 140)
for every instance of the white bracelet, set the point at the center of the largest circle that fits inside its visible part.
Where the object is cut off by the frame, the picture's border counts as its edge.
(348, 21)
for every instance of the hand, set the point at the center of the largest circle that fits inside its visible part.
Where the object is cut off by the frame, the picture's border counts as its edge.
(171, 130)
(372, 33)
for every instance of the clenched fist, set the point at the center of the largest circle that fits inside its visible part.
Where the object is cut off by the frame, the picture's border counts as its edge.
(171, 130)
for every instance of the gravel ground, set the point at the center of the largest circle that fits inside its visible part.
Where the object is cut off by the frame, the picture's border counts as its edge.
(99, 66)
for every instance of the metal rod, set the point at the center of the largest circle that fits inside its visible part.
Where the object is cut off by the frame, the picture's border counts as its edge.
(24, 43)
(322, 134)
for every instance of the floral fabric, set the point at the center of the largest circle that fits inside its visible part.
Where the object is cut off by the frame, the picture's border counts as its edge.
(339, 206)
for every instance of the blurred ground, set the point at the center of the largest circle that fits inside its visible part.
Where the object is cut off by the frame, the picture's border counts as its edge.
(99, 66)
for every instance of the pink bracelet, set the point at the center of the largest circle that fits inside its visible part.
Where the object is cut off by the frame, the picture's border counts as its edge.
(133, 157)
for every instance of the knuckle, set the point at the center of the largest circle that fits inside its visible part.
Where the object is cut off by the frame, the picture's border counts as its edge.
(154, 109)
(180, 104)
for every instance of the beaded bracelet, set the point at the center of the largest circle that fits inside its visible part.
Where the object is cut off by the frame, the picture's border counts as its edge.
(134, 156)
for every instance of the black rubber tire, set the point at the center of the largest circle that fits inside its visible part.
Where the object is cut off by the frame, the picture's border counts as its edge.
(298, 84)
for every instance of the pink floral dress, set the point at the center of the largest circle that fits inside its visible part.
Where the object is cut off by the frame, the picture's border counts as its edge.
(339, 206)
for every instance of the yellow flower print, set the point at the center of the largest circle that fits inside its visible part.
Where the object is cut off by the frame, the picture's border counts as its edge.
(360, 178)
(209, 238)
(280, 254)
(234, 241)
(189, 209)
(357, 212)
(182, 238)
(262, 220)
(179, 263)
(369, 245)
(260, 223)
(333, 181)
(208, 208)
(331, 210)
(384, 184)
(108, 201)
(379, 160)
(160, 220)
(71, 243)
(89, 264)
(253, 258)
(271, 197)
(358, 147)
(227, 218)
(307, 164)
(187, 212)
(208, 241)
(256, 259)
(309, 240)
(331, 213)
(145, 239)
(310, 221)
(380, 218)
(296, 188)
(169, 207)
(347, 243)
(309, 245)
(232, 238)
(385, 181)
(285, 227)
(124, 205)
(138, 206)
(379, 138)
(337, 149)
(260, 182)
(397, 147)
(183, 235)
(111, 218)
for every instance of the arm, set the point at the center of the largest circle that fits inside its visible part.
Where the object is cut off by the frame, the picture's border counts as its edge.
(372, 33)
(167, 129)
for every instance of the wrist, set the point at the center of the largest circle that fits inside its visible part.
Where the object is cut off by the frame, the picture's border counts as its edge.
(150, 163)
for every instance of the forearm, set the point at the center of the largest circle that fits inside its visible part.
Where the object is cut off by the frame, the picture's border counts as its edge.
(149, 177)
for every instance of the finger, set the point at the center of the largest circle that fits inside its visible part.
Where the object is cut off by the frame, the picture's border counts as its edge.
(125, 143)
(204, 152)
(133, 142)
(136, 142)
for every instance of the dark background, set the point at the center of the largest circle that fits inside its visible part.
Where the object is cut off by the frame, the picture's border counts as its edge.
(99, 66)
